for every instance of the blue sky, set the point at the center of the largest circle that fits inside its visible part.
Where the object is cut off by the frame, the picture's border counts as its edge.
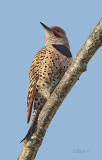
(77, 126)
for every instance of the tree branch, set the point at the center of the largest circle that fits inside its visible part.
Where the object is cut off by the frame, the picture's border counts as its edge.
(77, 67)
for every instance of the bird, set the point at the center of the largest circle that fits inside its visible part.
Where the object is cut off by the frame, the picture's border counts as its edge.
(47, 69)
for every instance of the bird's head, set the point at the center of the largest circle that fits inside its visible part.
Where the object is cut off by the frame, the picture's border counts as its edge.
(55, 35)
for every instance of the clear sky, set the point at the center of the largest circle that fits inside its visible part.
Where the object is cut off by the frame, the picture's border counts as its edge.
(77, 126)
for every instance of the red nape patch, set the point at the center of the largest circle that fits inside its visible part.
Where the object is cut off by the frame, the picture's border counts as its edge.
(46, 39)
(56, 34)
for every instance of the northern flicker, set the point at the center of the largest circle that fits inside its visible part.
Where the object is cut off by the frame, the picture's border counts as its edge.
(47, 69)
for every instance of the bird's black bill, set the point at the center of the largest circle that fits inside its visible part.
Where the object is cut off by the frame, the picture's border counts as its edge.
(45, 26)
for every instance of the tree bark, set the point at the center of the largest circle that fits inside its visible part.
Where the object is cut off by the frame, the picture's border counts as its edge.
(78, 66)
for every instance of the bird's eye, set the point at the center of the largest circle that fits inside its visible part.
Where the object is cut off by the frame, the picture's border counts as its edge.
(57, 31)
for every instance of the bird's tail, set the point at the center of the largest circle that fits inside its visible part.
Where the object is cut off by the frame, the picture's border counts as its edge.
(33, 125)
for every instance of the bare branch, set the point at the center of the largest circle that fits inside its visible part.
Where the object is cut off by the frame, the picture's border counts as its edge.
(78, 66)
